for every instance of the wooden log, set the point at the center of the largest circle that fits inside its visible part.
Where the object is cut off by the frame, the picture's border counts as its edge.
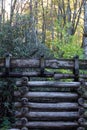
(81, 121)
(68, 76)
(2, 62)
(23, 90)
(24, 121)
(37, 74)
(24, 101)
(54, 63)
(30, 63)
(14, 129)
(81, 101)
(51, 84)
(63, 76)
(80, 128)
(17, 104)
(24, 110)
(84, 96)
(17, 94)
(25, 63)
(85, 115)
(18, 114)
(48, 99)
(59, 95)
(80, 91)
(26, 74)
(85, 124)
(47, 116)
(24, 81)
(53, 115)
(58, 125)
(81, 111)
(85, 105)
(24, 128)
(84, 76)
(35, 63)
(50, 106)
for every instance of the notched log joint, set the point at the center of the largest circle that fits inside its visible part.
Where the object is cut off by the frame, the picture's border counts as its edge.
(76, 68)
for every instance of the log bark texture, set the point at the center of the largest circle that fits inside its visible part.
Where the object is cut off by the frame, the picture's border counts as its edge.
(50, 106)
(58, 95)
(51, 84)
(58, 125)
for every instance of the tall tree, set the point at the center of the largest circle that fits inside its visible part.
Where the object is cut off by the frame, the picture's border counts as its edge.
(85, 29)
(13, 4)
(69, 12)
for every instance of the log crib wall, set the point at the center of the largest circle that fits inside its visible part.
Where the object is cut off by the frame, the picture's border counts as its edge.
(49, 96)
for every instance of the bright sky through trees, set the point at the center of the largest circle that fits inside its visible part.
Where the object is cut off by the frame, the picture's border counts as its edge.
(7, 6)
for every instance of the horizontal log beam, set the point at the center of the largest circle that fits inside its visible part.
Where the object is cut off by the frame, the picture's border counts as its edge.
(58, 125)
(51, 84)
(35, 63)
(63, 76)
(49, 116)
(84, 95)
(24, 128)
(85, 124)
(26, 74)
(50, 106)
(80, 128)
(38, 74)
(54, 63)
(85, 105)
(25, 63)
(68, 76)
(14, 129)
(53, 115)
(59, 95)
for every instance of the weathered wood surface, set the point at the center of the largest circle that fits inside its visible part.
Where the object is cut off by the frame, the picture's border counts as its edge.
(38, 74)
(48, 95)
(50, 106)
(81, 101)
(51, 84)
(47, 100)
(24, 128)
(58, 95)
(85, 124)
(49, 115)
(81, 110)
(30, 63)
(54, 125)
(14, 129)
(81, 121)
(26, 74)
(85, 105)
(80, 128)
(68, 76)
(55, 63)
(84, 95)
(63, 76)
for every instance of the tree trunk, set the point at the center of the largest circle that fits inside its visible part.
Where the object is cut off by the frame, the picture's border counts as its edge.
(85, 30)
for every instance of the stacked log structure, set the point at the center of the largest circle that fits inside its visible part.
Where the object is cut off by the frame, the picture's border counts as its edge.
(49, 104)
(81, 110)
(23, 89)
(49, 110)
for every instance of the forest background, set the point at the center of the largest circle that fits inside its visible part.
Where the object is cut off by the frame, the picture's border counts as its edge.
(55, 27)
